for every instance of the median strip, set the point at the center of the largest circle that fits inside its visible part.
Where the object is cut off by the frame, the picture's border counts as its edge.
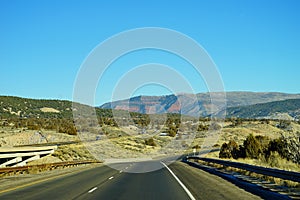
(180, 183)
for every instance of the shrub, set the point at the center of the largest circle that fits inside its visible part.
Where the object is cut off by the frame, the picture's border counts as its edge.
(225, 151)
(150, 142)
(262, 148)
(230, 150)
(255, 146)
(172, 130)
(202, 127)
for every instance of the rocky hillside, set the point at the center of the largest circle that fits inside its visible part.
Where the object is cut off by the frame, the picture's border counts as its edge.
(186, 104)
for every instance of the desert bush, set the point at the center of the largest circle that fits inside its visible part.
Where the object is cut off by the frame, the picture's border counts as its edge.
(172, 130)
(225, 151)
(287, 147)
(150, 142)
(202, 127)
(262, 148)
(255, 146)
(230, 150)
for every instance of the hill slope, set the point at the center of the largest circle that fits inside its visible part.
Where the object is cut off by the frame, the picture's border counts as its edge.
(11, 106)
(24, 107)
(278, 109)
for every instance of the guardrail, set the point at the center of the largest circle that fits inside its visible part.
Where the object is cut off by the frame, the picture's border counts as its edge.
(278, 173)
(50, 166)
(20, 156)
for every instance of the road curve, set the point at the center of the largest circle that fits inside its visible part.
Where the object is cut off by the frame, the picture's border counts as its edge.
(106, 183)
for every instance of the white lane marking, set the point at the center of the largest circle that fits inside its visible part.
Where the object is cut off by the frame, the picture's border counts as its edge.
(111, 177)
(92, 190)
(120, 171)
(180, 183)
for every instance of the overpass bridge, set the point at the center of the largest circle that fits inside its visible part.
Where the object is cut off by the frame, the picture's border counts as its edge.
(19, 156)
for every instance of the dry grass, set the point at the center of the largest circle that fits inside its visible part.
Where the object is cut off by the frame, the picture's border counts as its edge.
(72, 152)
(275, 161)
(46, 109)
(256, 128)
(270, 179)
(127, 141)
(17, 136)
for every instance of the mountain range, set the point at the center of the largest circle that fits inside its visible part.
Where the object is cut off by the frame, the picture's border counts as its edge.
(239, 104)
(201, 105)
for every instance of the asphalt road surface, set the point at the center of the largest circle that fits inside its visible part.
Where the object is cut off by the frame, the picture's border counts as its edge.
(178, 181)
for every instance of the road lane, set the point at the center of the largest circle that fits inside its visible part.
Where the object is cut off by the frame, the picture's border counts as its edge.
(66, 187)
(106, 183)
(159, 184)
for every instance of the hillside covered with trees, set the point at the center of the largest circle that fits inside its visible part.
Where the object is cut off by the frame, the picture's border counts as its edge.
(275, 109)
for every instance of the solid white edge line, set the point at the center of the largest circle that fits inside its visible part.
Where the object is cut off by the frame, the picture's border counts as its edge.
(92, 190)
(180, 183)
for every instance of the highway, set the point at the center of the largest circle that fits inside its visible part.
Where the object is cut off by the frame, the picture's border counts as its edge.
(178, 181)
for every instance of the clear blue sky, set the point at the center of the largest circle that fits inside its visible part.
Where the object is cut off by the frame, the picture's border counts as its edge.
(254, 43)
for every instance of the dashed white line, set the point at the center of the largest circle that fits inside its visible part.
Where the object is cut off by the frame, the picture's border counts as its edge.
(180, 183)
(110, 177)
(120, 171)
(92, 190)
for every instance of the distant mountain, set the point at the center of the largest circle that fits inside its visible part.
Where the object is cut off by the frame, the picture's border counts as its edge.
(146, 104)
(240, 104)
(286, 109)
(188, 105)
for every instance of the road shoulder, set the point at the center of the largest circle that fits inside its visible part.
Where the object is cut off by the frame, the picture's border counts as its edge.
(207, 186)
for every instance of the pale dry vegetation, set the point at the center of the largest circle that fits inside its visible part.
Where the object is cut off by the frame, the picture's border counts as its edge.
(138, 140)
